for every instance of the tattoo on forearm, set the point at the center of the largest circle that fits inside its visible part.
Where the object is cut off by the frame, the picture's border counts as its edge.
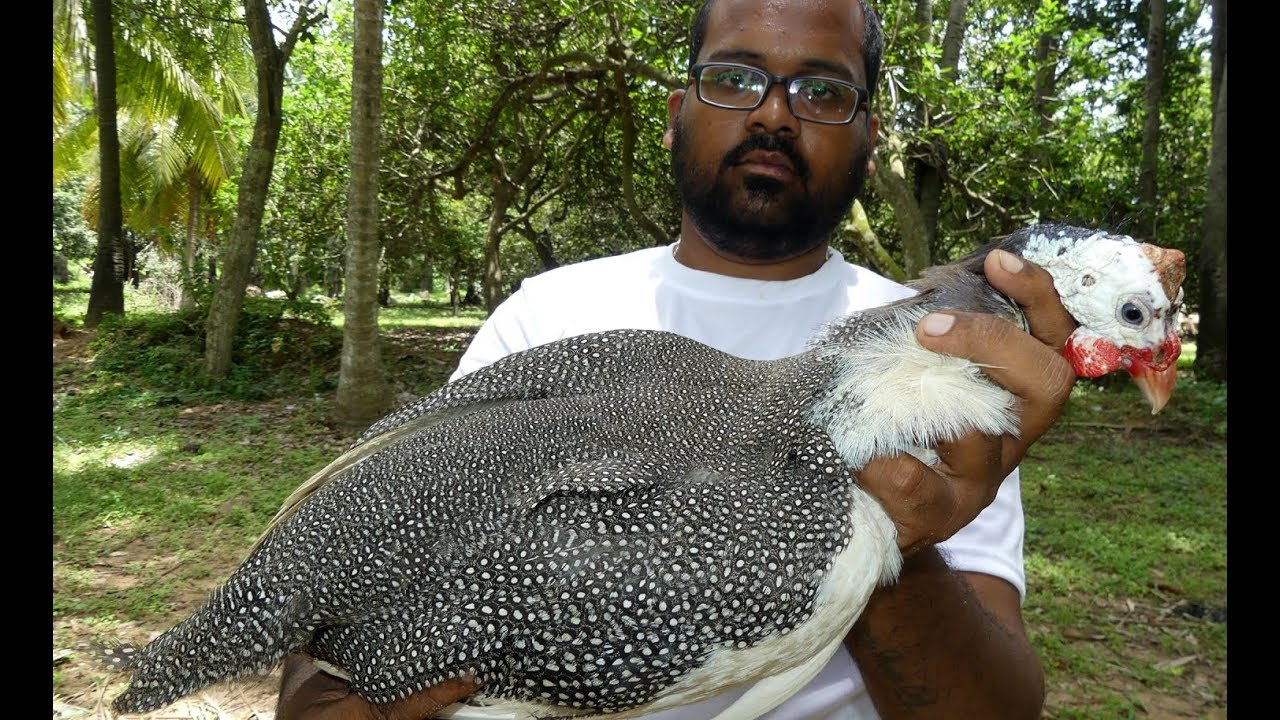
(917, 696)
(886, 663)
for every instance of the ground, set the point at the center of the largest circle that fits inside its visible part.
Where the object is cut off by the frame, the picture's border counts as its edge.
(84, 693)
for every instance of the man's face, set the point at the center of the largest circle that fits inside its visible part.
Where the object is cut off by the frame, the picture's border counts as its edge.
(760, 185)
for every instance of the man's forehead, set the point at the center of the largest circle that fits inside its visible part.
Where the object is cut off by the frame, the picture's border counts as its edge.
(829, 30)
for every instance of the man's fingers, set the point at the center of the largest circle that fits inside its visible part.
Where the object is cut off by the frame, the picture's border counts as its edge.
(1031, 286)
(918, 500)
(1026, 367)
(421, 705)
(978, 460)
(306, 692)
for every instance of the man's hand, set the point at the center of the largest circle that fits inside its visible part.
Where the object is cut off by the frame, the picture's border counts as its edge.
(308, 694)
(930, 505)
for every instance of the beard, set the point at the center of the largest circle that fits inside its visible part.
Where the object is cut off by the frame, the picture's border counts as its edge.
(765, 220)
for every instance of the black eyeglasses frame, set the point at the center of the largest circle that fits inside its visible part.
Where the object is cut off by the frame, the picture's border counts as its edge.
(864, 95)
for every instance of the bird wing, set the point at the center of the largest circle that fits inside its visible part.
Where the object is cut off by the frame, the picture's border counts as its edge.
(646, 531)
(596, 477)
(571, 366)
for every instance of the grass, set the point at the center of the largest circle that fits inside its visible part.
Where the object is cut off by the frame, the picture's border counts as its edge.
(162, 482)
(412, 312)
(1126, 553)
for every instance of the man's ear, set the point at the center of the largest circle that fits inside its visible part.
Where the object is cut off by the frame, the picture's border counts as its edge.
(674, 101)
(873, 132)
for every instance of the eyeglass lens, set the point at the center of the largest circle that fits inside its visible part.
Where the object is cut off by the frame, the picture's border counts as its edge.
(810, 98)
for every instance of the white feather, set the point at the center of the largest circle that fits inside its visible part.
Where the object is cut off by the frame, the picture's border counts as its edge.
(890, 395)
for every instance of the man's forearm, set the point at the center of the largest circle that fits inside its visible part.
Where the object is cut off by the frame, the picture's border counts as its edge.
(930, 647)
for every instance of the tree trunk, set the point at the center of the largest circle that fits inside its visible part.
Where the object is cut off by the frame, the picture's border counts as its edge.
(363, 394)
(240, 249)
(188, 298)
(927, 191)
(864, 239)
(1150, 163)
(106, 294)
(541, 243)
(333, 267)
(628, 164)
(61, 269)
(503, 194)
(1211, 343)
(891, 184)
(1046, 89)
(930, 173)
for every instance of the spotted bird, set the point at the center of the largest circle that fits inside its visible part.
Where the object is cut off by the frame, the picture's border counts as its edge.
(622, 522)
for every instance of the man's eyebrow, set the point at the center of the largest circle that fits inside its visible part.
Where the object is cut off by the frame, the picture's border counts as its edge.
(831, 67)
(744, 56)
(752, 57)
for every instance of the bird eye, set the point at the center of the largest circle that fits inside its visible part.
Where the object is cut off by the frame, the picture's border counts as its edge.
(1134, 313)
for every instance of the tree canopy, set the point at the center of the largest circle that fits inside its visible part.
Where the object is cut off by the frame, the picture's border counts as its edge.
(516, 136)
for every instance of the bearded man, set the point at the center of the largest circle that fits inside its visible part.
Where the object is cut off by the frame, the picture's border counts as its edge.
(771, 141)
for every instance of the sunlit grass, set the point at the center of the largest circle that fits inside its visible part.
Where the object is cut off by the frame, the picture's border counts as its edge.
(411, 311)
(71, 300)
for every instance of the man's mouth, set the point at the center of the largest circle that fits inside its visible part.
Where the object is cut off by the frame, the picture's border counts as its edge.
(774, 165)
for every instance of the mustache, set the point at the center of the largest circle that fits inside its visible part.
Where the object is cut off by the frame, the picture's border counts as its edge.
(768, 143)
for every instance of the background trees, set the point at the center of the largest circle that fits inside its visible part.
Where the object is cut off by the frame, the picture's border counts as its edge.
(153, 141)
(516, 136)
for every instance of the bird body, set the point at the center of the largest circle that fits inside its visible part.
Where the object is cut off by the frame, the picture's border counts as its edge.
(614, 523)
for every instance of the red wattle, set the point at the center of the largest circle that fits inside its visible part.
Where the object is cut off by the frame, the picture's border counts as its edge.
(1144, 360)
(1090, 356)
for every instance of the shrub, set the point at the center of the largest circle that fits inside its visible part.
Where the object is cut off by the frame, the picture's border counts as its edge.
(280, 346)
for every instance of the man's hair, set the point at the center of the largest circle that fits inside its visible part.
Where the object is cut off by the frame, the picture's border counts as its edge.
(872, 40)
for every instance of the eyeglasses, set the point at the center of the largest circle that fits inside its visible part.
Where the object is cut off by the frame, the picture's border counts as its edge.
(816, 99)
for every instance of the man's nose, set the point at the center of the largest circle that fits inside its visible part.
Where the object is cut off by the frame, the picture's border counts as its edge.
(774, 114)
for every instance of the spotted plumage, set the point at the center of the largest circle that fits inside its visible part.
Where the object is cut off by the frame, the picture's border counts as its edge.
(610, 524)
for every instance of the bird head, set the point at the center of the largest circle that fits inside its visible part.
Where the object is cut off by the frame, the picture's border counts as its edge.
(1125, 296)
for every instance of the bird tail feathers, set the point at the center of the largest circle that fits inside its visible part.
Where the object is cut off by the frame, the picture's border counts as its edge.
(237, 632)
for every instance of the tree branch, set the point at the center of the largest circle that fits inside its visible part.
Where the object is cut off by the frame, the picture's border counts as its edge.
(301, 24)
(864, 238)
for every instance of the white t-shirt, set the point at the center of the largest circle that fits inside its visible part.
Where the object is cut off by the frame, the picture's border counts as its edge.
(756, 319)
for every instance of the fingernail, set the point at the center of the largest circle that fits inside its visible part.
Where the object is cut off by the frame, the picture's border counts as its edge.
(937, 323)
(1010, 262)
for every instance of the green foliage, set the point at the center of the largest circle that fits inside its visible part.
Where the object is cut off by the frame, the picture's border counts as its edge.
(281, 345)
(1041, 123)
(304, 223)
(73, 239)
(1044, 120)
(525, 92)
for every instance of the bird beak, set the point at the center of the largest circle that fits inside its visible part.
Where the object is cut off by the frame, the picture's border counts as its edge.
(1156, 385)
(1155, 373)
(1157, 377)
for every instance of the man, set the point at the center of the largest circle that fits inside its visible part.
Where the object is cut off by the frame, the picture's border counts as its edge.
(767, 165)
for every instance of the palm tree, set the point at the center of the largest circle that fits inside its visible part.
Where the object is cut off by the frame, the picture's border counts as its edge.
(362, 389)
(160, 131)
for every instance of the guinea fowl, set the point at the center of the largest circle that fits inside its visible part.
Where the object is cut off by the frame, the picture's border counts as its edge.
(618, 523)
